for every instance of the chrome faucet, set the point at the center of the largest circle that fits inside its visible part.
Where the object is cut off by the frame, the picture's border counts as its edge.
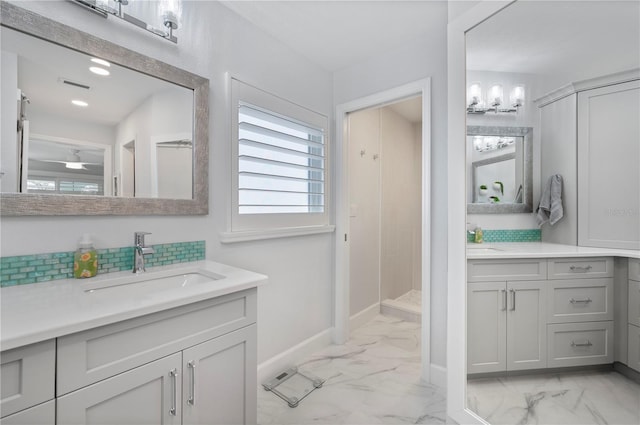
(139, 251)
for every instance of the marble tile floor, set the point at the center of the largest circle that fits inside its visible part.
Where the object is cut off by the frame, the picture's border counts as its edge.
(593, 397)
(372, 379)
(413, 297)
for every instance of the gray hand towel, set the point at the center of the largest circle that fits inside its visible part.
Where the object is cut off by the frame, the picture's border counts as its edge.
(550, 207)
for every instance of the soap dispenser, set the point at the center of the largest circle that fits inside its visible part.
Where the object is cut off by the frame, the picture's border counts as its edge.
(85, 261)
(478, 235)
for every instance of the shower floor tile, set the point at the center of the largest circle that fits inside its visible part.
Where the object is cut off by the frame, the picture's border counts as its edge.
(413, 297)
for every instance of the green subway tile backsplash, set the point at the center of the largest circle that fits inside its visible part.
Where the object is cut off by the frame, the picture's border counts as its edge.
(509, 235)
(24, 269)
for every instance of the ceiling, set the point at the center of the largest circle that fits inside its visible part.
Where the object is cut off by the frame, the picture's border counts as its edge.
(42, 66)
(574, 40)
(538, 37)
(337, 34)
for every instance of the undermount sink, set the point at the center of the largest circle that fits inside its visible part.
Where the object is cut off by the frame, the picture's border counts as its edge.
(154, 281)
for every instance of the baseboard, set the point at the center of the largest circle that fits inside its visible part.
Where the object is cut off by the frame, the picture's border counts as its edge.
(627, 372)
(438, 375)
(366, 315)
(291, 357)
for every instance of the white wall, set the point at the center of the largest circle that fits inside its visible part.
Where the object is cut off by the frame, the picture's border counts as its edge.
(401, 202)
(297, 303)
(364, 211)
(426, 56)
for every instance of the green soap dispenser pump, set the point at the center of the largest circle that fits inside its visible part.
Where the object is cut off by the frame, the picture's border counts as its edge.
(85, 260)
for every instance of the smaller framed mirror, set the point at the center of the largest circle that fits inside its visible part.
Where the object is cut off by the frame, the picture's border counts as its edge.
(499, 170)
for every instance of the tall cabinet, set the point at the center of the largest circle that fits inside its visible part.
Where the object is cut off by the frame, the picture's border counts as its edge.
(590, 134)
(609, 166)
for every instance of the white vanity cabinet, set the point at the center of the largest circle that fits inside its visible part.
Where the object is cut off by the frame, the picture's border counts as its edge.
(545, 313)
(28, 376)
(194, 364)
(633, 355)
(506, 328)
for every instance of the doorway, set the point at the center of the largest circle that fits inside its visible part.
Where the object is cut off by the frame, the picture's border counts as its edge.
(348, 215)
(385, 150)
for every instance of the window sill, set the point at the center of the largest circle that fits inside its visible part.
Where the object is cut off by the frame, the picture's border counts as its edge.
(287, 232)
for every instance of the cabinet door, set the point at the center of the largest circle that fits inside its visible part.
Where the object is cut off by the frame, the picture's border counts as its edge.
(526, 325)
(486, 327)
(634, 302)
(42, 414)
(633, 360)
(608, 171)
(149, 394)
(219, 380)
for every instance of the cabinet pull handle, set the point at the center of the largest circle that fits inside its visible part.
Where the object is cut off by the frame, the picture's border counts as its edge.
(585, 301)
(504, 299)
(174, 387)
(582, 344)
(513, 299)
(580, 269)
(192, 370)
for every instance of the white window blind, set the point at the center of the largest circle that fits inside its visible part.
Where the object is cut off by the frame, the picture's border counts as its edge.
(280, 164)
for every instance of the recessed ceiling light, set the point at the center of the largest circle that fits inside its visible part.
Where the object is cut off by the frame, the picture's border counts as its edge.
(81, 103)
(100, 62)
(98, 70)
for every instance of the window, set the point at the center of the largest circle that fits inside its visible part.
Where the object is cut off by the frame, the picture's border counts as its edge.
(280, 162)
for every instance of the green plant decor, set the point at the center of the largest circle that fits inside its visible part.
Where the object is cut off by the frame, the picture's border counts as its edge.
(501, 187)
(483, 187)
(495, 199)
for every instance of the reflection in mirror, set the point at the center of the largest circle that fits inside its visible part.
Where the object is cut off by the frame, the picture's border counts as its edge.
(499, 169)
(512, 340)
(91, 127)
(83, 103)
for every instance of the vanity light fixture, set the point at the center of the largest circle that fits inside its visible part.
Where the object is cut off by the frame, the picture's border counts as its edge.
(495, 99)
(169, 10)
(80, 103)
(99, 71)
(101, 62)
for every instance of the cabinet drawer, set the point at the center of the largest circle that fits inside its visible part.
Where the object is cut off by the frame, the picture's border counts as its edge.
(578, 268)
(634, 269)
(633, 359)
(42, 414)
(580, 300)
(503, 270)
(28, 376)
(579, 344)
(90, 356)
(634, 303)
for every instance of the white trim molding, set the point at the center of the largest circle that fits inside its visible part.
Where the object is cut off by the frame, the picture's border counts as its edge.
(284, 232)
(271, 367)
(591, 83)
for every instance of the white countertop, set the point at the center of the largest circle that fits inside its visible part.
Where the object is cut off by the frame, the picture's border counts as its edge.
(40, 311)
(502, 250)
